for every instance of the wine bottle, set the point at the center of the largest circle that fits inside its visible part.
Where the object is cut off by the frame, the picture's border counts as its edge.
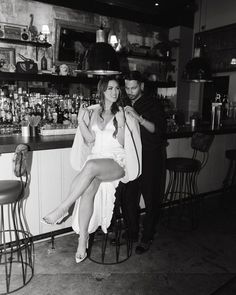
(44, 63)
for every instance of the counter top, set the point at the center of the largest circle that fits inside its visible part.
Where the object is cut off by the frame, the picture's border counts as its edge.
(9, 143)
(187, 131)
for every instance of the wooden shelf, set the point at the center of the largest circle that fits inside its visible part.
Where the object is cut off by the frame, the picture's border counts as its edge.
(27, 43)
(160, 84)
(81, 78)
(46, 78)
(146, 57)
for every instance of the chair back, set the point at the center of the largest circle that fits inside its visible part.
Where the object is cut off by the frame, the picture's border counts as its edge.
(19, 161)
(201, 143)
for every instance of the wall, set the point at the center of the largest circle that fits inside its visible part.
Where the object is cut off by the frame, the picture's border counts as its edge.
(18, 12)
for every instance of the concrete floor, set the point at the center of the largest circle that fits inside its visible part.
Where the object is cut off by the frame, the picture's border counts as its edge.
(199, 262)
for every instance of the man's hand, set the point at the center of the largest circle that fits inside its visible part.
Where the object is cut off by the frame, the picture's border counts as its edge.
(129, 110)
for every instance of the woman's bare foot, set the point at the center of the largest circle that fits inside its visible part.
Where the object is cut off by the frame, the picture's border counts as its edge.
(56, 216)
(81, 252)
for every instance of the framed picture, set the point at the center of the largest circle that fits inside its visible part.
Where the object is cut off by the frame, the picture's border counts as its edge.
(7, 58)
(72, 41)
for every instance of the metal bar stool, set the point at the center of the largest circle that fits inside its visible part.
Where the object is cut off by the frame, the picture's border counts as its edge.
(16, 246)
(230, 178)
(180, 196)
(100, 248)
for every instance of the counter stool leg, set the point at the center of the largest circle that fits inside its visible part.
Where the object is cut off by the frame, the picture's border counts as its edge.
(104, 247)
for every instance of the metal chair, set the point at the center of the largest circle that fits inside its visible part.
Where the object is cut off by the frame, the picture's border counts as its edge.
(180, 198)
(16, 246)
(101, 250)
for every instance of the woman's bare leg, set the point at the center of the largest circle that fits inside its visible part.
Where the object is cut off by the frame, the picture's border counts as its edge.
(101, 169)
(85, 214)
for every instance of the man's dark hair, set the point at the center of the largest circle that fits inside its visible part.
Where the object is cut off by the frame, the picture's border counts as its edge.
(134, 75)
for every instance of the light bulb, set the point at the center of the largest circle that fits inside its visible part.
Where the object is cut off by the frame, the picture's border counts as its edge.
(113, 40)
(45, 30)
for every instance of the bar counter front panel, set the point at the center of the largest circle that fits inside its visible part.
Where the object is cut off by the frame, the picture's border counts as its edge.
(51, 173)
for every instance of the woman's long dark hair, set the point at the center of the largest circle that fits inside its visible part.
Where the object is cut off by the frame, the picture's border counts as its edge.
(101, 88)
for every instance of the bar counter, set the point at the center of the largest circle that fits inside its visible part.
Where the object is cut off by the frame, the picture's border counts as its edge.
(9, 143)
(51, 173)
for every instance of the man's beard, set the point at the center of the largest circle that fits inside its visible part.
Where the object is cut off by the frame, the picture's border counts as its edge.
(132, 97)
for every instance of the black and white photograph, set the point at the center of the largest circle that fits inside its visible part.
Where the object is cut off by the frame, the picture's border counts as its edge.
(118, 147)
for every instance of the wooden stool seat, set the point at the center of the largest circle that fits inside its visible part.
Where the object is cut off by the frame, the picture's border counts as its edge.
(183, 164)
(9, 191)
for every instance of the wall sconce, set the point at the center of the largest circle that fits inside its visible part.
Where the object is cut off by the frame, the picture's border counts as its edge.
(112, 40)
(45, 32)
(233, 61)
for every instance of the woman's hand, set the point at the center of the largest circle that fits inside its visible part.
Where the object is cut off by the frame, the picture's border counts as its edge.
(82, 111)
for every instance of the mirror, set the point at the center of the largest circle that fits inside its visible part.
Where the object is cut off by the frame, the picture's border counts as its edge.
(72, 41)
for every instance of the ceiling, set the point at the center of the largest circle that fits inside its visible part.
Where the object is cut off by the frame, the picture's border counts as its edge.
(168, 13)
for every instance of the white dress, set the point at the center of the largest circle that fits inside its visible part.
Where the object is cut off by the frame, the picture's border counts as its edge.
(105, 146)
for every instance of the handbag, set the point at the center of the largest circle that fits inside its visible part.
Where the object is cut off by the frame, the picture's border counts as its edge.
(26, 66)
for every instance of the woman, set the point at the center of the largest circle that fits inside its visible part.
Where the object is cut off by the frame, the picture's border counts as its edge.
(106, 150)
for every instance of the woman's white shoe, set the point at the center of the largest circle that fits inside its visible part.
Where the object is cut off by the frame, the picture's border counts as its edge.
(78, 257)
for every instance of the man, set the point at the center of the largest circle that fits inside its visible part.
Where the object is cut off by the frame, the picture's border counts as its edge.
(151, 183)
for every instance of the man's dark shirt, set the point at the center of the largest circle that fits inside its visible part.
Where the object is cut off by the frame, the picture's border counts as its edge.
(151, 110)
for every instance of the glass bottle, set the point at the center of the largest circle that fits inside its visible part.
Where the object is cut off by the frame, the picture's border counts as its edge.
(44, 63)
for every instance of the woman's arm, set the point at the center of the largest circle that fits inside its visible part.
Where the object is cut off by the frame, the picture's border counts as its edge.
(120, 117)
(85, 128)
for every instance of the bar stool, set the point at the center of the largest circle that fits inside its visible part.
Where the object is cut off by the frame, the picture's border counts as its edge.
(16, 246)
(101, 250)
(180, 198)
(229, 181)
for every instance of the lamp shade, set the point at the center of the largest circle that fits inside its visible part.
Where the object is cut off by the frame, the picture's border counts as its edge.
(101, 59)
(197, 69)
(45, 29)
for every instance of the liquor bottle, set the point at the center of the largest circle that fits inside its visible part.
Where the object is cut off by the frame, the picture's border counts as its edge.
(44, 63)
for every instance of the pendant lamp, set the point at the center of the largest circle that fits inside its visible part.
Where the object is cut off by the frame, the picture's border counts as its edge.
(197, 69)
(101, 58)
